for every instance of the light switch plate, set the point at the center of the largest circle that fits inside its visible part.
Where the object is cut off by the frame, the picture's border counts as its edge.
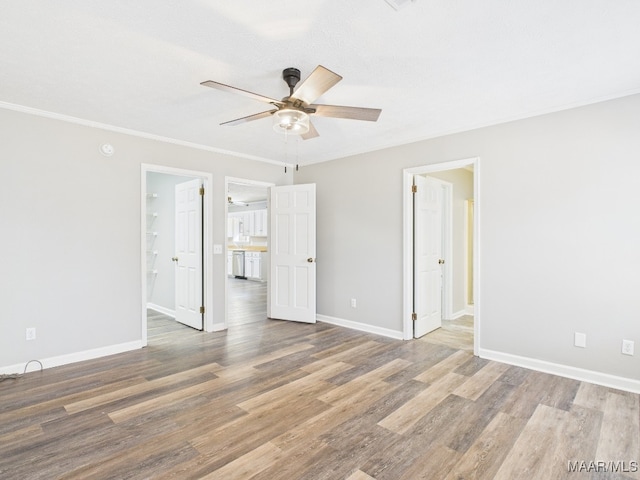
(217, 249)
(580, 340)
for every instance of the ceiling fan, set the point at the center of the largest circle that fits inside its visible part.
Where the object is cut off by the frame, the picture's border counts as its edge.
(291, 114)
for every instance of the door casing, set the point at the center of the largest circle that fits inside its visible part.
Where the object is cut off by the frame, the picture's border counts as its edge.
(408, 288)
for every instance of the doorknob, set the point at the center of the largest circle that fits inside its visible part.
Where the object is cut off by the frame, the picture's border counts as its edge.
(311, 260)
(174, 259)
(441, 262)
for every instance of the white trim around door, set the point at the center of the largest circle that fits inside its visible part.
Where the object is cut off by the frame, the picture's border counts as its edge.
(407, 182)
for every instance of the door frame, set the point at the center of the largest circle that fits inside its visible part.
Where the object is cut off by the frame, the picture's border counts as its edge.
(407, 196)
(225, 251)
(207, 261)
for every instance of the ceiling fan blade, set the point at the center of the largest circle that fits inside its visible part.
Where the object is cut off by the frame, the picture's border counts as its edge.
(320, 80)
(312, 133)
(228, 88)
(250, 118)
(353, 113)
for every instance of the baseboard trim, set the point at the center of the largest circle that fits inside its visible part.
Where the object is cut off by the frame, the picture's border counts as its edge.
(459, 314)
(163, 310)
(604, 379)
(363, 327)
(73, 357)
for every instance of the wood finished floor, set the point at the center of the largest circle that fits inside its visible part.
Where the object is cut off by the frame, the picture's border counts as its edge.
(278, 400)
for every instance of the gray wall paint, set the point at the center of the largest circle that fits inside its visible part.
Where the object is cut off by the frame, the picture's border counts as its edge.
(559, 233)
(71, 222)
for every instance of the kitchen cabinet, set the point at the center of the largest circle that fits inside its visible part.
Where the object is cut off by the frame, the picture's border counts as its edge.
(252, 265)
(252, 223)
(230, 263)
(255, 266)
(260, 223)
(264, 266)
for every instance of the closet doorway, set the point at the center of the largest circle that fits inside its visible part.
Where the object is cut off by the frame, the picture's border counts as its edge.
(161, 235)
(451, 283)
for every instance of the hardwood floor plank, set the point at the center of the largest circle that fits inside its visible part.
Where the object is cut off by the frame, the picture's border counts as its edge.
(361, 386)
(411, 412)
(533, 455)
(271, 400)
(360, 475)
(620, 434)
(592, 396)
(23, 436)
(443, 367)
(249, 464)
(240, 436)
(433, 464)
(482, 460)
(310, 385)
(297, 461)
(225, 376)
(480, 381)
(96, 399)
(550, 440)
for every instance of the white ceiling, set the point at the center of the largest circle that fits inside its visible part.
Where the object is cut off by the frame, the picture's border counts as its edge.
(434, 67)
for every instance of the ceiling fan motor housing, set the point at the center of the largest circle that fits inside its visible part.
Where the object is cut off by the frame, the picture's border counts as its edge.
(291, 76)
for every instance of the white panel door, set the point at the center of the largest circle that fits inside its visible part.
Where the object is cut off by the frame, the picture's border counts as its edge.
(427, 282)
(292, 252)
(188, 257)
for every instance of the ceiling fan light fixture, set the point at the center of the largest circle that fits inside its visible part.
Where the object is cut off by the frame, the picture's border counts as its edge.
(288, 120)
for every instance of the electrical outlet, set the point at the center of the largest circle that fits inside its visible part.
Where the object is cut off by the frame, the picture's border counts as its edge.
(31, 333)
(354, 304)
(627, 347)
(580, 340)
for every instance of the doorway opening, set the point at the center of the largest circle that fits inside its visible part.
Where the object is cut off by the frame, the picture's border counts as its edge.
(164, 270)
(441, 252)
(247, 265)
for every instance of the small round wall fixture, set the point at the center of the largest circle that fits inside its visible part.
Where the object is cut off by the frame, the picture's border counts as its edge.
(107, 149)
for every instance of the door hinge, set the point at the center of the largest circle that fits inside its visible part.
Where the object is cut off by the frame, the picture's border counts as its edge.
(201, 190)
(414, 188)
(202, 309)
(414, 316)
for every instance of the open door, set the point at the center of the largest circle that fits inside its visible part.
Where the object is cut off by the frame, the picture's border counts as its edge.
(188, 256)
(427, 296)
(292, 253)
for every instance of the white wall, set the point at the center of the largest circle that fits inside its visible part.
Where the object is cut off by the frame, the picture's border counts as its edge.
(71, 230)
(559, 234)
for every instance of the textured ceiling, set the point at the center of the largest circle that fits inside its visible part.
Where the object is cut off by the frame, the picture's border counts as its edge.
(434, 67)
